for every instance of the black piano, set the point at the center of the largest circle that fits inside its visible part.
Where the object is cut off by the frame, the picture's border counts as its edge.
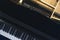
(21, 23)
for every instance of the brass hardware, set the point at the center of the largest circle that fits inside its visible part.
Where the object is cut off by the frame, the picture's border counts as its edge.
(56, 12)
(18, 2)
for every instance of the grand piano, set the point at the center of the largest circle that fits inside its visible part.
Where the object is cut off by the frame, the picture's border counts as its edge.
(19, 22)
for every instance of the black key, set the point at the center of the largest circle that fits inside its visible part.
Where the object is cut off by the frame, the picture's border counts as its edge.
(1, 24)
(31, 38)
(15, 32)
(34, 38)
(6, 28)
(27, 37)
(18, 34)
(24, 36)
(12, 30)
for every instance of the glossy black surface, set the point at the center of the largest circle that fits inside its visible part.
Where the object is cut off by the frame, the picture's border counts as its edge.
(32, 18)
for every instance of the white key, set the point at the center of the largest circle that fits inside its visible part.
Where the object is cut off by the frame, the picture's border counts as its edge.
(8, 35)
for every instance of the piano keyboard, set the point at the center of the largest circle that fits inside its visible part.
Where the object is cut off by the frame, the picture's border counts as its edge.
(12, 33)
(9, 31)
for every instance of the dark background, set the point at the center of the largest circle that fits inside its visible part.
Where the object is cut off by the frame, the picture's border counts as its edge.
(3, 38)
(31, 18)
